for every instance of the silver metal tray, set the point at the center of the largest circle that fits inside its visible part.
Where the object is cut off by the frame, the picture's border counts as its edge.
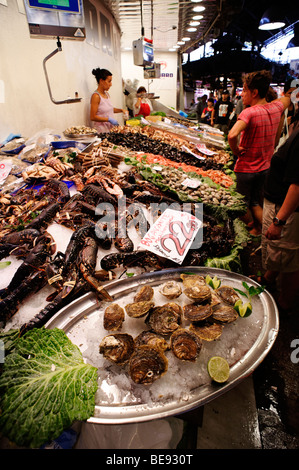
(262, 325)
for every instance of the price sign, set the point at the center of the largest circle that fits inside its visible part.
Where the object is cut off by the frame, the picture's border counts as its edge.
(4, 170)
(203, 149)
(172, 235)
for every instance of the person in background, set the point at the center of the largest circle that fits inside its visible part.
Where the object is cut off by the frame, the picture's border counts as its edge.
(256, 127)
(280, 237)
(101, 108)
(223, 110)
(141, 104)
(208, 112)
(202, 102)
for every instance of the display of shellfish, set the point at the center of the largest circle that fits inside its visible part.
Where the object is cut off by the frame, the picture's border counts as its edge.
(171, 290)
(145, 293)
(139, 309)
(207, 332)
(227, 294)
(114, 317)
(147, 364)
(117, 347)
(165, 319)
(151, 339)
(197, 312)
(185, 344)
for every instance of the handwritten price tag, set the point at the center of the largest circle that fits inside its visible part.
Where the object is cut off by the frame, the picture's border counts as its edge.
(203, 149)
(172, 235)
(4, 170)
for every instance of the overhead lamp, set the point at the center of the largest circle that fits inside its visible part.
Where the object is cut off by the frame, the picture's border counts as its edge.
(196, 1)
(272, 19)
(197, 17)
(294, 42)
(181, 43)
(194, 23)
(175, 47)
(198, 9)
(191, 30)
(186, 39)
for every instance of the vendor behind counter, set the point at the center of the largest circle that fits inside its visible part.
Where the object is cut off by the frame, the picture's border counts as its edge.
(141, 104)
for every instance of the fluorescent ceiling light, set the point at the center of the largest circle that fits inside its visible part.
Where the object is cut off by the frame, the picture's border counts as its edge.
(197, 17)
(196, 1)
(181, 43)
(191, 30)
(194, 23)
(198, 9)
(186, 39)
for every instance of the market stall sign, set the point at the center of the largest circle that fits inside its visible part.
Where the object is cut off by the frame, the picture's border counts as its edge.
(172, 235)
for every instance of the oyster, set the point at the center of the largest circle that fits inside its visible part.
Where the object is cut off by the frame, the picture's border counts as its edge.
(145, 293)
(171, 290)
(151, 339)
(198, 292)
(227, 294)
(224, 313)
(165, 319)
(114, 317)
(197, 312)
(117, 347)
(185, 344)
(190, 279)
(208, 332)
(139, 309)
(147, 364)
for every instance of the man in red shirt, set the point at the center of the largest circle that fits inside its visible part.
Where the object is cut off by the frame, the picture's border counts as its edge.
(252, 141)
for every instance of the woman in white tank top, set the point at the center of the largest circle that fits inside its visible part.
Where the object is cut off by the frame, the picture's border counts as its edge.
(101, 108)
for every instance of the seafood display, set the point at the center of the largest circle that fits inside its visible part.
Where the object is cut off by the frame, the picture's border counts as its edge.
(77, 131)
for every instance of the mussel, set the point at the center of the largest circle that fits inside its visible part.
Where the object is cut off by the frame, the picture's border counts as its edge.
(117, 347)
(151, 339)
(197, 312)
(114, 317)
(227, 294)
(207, 332)
(185, 344)
(139, 309)
(165, 319)
(145, 293)
(171, 290)
(147, 364)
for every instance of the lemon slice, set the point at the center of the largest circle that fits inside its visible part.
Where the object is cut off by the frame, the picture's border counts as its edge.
(218, 369)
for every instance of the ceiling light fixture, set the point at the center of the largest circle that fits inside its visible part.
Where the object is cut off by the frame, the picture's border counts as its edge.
(198, 9)
(272, 19)
(181, 43)
(191, 30)
(186, 39)
(194, 23)
(197, 17)
(196, 1)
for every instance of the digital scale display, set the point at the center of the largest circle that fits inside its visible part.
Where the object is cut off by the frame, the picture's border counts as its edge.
(67, 6)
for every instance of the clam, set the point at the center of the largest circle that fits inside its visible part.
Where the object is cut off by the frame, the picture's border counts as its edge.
(117, 347)
(185, 344)
(114, 316)
(139, 309)
(171, 290)
(147, 364)
(197, 312)
(208, 332)
(227, 294)
(165, 319)
(224, 313)
(145, 293)
(151, 339)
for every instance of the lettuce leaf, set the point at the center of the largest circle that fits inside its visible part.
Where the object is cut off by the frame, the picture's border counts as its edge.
(44, 387)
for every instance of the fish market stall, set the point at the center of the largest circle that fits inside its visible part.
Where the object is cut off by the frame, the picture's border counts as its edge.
(77, 246)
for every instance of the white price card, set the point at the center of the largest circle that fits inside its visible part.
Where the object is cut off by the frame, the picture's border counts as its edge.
(172, 235)
(203, 149)
(191, 183)
(4, 170)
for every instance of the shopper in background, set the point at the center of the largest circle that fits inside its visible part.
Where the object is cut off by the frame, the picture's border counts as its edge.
(223, 110)
(280, 238)
(101, 108)
(202, 103)
(257, 127)
(141, 104)
(208, 112)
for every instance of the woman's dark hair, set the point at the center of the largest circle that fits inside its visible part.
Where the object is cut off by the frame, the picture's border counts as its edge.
(141, 89)
(101, 74)
(259, 81)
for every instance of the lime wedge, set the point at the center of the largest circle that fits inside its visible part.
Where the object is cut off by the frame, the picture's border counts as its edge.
(244, 310)
(214, 283)
(218, 369)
